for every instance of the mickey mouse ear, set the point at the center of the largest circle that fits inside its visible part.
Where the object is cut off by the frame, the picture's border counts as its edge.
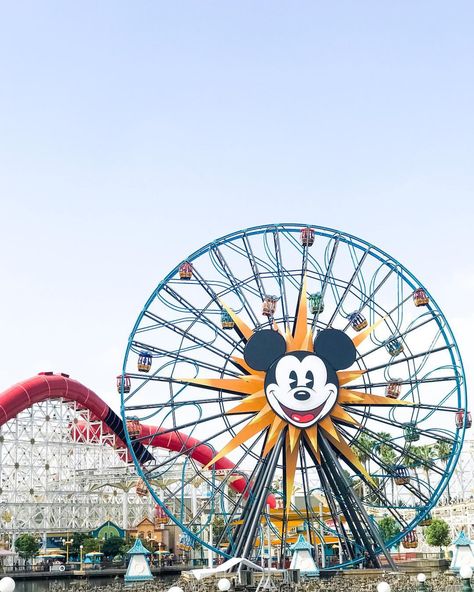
(263, 348)
(336, 348)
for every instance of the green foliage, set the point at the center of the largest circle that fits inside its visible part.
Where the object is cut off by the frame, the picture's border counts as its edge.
(437, 534)
(89, 545)
(27, 546)
(78, 539)
(113, 546)
(388, 528)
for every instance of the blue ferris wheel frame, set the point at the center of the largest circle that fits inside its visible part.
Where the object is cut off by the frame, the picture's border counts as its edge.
(385, 259)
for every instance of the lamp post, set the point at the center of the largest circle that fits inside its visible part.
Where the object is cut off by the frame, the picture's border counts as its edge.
(465, 573)
(81, 548)
(66, 543)
(421, 582)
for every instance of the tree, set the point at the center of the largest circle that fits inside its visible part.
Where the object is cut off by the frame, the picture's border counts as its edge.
(78, 540)
(113, 546)
(90, 545)
(425, 454)
(27, 546)
(437, 534)
(388, 528)
(443, 450)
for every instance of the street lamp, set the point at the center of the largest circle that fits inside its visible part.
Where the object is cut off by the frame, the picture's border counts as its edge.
(465, 573)
(421, 581)
(81, 547)
(66, 543)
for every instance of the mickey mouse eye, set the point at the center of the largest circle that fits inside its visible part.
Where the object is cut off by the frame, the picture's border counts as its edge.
(309, 379)
(293, 379)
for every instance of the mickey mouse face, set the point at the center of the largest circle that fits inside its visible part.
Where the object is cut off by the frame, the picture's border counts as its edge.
(300, 386)
(299, 390)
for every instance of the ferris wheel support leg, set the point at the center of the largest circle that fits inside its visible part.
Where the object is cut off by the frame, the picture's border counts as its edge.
(361, 520)
(245, 537)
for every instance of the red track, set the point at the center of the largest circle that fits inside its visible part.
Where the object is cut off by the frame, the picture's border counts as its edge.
(47, 385)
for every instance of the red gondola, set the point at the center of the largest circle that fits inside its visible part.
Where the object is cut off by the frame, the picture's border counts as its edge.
(394, 389)
(186, 271)
(410, 540)
(160, 515)
(420, 297)
(269, 306)
(307, 236)
(133, 426)
(127, 383)
(460, 420)
(141, 488)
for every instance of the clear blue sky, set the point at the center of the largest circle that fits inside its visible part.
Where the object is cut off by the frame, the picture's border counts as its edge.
(132, 133)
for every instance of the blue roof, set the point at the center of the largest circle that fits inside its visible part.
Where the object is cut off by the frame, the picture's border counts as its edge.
(301, 544)
(138, 549)
(462, 540)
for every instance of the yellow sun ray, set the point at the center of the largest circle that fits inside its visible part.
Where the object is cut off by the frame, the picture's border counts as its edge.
(357, 398)
(293, 437)
(345, 376)
(291, 458)
(243, 364)
(312, 441)
(273, 434)
(339, 413)
(244, 385)
(300, 326)
(261, 421)
(241, 327)
(349, 454)
(252, 403)
(360, 337)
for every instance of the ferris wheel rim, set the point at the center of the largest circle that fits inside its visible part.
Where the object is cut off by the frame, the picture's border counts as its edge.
(383, 258)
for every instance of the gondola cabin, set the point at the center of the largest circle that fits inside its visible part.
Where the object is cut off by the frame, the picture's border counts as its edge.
(394, 389)
(411, 432)
(127, 383)
(226, 320)
(426, 521)
(133, 426)
(307, 236)
(358, 321)
(410, 541)
(186, 271)
(401, 475)
(316, 303)
(460, 423)
(160, 515)
(144, 361)
(394, 346)
(269, 306)
(141, 488)
(420, 297)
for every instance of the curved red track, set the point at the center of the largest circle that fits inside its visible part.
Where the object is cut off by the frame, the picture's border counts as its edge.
(47, 385)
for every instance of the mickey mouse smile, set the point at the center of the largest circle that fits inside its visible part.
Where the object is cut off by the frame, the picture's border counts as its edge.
(302, 416)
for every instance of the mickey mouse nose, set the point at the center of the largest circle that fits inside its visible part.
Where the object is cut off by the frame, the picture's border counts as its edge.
(302, 395)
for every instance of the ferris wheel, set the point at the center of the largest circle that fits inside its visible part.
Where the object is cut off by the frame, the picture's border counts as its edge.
(307, 383)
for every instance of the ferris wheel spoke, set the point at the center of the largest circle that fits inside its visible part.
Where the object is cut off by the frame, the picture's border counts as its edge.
(410, 382)
(254, 266)
(348, 288)
(184, 359)
(187, 450)
(370, 297)
(199, 315)
(182, 333)
(227, 270)
(281, 277)
(159, 406)
(412, 357)
(399, 336)
(327, 275)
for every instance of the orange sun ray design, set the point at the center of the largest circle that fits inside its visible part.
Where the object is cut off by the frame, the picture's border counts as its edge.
(251, 385)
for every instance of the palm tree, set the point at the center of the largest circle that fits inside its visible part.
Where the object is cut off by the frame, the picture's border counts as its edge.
(426, 455)
(443, 450)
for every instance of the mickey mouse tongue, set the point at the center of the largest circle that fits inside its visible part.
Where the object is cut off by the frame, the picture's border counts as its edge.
(302, 416)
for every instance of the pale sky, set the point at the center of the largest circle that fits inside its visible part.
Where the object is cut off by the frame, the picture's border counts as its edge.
(132, 133)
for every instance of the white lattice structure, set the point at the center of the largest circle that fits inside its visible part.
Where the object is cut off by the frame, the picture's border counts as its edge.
(59, 472)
